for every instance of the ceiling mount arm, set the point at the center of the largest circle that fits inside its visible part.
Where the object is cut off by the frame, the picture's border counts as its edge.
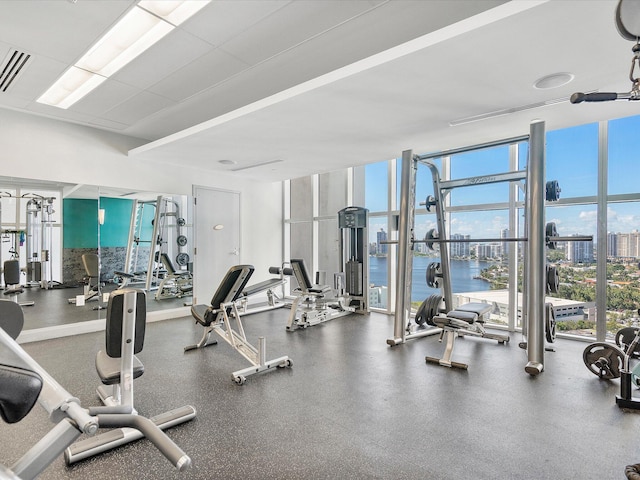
(628, 25)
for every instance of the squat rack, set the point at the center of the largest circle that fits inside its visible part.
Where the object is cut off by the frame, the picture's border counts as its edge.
(536, 240)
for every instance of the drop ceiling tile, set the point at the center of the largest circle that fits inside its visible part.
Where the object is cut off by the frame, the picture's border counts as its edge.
(169, 55)
(222, 20)
(43, 27)
(208, 70)
(142, 105)
(104, 98)
(291, 25)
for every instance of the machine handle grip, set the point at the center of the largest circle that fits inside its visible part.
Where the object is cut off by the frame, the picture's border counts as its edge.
(579, 97)
(151, 431)
(278, 271)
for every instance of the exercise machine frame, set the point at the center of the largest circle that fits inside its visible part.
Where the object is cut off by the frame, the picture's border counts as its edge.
(71, 419)
(216, 317)
(534, 204)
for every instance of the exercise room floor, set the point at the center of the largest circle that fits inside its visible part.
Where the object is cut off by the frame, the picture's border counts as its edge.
(351, 407)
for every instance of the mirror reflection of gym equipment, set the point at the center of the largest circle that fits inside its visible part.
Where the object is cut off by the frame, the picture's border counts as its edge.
(73, 222)
(158, 237)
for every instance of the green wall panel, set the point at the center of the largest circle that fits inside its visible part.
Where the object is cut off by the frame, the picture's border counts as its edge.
(117, 217)
(80, 223)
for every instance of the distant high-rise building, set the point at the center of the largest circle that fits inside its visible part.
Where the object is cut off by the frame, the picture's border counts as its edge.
(627, 244)
(461, 249)
(580, 252)
(381, 248)
(504, 233)
(612, 244)
(489, 250)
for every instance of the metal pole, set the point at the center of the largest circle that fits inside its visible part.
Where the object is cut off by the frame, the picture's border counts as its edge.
(447, 289)
(455, 151)
(536, 250)
(601, 266)
(405, 248)
(512, 248)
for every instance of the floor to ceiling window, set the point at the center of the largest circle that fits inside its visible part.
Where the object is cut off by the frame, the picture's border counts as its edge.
(575, 157)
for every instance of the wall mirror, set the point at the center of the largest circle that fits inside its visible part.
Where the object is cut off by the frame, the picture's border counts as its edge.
(70, 245)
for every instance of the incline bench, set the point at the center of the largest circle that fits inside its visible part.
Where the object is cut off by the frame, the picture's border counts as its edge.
(466, 319)
(216, 318)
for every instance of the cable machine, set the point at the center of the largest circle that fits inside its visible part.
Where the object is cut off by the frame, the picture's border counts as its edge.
(39, 237)
(353, 223)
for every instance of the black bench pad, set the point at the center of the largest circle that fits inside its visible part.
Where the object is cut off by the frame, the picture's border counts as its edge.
(19, 387)
(109, 368)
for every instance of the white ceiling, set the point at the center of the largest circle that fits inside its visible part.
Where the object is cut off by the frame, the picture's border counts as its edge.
(286, 88)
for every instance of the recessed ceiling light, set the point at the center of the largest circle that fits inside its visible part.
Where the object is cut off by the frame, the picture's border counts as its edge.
(554, 80)
(140, 28)
(226, 162)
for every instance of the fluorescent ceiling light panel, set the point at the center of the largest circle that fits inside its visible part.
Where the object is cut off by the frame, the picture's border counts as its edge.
(74, 84)
(138, 30)
(174, 11)
(128, 38)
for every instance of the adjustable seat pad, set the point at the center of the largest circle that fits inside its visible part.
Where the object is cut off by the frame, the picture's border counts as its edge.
(468, 317)
(304, 281)
(109, 368)
(203, 314)
(19, 387)
(261, 286)
(228, 291)
(108, 360)
(475, 307)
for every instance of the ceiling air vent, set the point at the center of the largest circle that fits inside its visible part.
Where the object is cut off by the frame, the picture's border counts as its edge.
(11, 67)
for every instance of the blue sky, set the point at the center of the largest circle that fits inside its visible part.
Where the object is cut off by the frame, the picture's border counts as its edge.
(571, 158)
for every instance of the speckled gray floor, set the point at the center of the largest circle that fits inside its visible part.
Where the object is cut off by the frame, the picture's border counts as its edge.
(351, 407)
(51, 307)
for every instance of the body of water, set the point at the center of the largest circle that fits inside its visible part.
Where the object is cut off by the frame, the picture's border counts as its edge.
(462, 275)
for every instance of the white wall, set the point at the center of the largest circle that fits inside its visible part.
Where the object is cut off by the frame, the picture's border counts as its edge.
(39, 148)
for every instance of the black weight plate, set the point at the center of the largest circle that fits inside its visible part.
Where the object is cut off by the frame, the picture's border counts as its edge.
(550, 323)
(182, 240)
(430, 202)
(603, 360)
(430, 235)
(550, 231)
(552, 191)
(420, 318)
(553, 280)
(624, 337)
(428, 309)
(182, 259)
(433, 308)
(433, 269)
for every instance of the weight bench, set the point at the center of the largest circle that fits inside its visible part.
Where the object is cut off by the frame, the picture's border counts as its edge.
(216, 318)
(311, 301)
(176, 283)
(117, 367)
(91, 291)
(12, 287)
(268, 286)
(466, 319)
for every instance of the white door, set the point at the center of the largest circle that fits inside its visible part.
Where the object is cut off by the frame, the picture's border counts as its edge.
(217, 239)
